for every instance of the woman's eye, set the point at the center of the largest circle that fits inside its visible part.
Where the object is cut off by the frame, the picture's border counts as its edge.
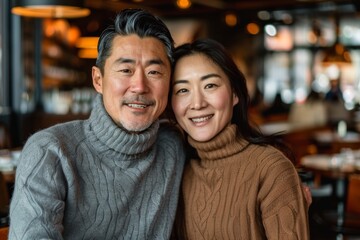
(182, 90)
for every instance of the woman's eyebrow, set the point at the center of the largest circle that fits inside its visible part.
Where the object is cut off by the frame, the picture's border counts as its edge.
(180, 81)
(205, 77)
(210, 76)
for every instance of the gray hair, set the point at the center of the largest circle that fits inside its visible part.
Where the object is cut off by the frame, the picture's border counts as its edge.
(133, 21)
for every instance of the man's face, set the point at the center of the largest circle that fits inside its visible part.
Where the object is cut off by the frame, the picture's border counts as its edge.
(136, 81)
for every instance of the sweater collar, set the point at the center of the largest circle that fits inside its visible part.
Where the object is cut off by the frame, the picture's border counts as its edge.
(223, 145)
(108, 135)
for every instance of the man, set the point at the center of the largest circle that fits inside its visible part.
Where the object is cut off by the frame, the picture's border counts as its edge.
(115, 175)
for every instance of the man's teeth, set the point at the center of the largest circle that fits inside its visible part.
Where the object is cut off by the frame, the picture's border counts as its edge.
(202, 119)
(136, 105)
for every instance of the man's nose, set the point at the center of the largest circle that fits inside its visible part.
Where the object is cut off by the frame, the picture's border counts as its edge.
(139, 82)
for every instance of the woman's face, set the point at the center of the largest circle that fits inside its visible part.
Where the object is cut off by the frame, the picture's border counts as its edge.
(202, 98)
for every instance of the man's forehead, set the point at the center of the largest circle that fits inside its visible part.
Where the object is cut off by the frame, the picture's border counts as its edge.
(136, 48)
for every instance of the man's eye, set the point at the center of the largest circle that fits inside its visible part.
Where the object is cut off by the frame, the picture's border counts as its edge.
(125, 70)
(154, 72)
(211, 85)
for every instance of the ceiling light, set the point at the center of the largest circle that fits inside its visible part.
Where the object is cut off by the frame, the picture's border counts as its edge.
(253, 28)
(337, 53)
(231, 19)
(87, 42)
(50, 8)
(183, 4)
(88, 53)
(87, 47)
(270, 30)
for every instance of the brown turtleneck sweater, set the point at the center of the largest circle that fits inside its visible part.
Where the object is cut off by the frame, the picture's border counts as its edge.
(235, 192)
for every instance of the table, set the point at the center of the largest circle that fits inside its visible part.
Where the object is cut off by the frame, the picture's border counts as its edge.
(335, 166)
(333, 142)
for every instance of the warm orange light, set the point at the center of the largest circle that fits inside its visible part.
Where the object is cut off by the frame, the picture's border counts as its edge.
(61, 27)
(231, 19)
(48, 26)
(89, 53)
(73, 35)
(51, 11)
(183, 4)
(87, 42)
(253, 28)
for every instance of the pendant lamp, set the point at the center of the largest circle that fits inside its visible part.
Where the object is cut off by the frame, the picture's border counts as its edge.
(50, 8)
(337, 53)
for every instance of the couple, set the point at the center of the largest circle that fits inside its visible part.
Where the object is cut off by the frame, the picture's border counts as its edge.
(117, 175)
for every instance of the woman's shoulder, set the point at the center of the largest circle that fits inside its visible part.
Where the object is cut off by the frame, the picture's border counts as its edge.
(267, 155)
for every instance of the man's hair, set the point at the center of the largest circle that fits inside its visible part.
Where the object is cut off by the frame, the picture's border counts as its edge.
(133, 21)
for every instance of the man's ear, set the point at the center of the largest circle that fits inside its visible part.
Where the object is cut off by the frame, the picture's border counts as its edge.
(97, 79)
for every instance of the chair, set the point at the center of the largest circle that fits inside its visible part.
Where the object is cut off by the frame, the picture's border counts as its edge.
(4, 232)
(4, 137)
(4, 195)
(4, 202)
(353, 196)
(352, 215)
(351, 222)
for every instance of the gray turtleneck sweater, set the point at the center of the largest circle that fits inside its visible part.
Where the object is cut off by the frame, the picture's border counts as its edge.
(91, 180)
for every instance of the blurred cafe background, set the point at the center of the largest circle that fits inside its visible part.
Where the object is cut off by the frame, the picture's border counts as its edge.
(301, 59)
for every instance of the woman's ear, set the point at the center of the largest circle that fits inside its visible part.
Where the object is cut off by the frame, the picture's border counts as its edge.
(235, 99)
(97, 79)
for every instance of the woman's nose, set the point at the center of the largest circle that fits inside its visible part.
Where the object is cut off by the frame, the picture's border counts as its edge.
(197, 101)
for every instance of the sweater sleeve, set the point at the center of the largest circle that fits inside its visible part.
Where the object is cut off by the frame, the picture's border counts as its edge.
(282, 201)
(37, 206)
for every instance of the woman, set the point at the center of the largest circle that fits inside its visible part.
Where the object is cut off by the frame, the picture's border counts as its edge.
(237, 184)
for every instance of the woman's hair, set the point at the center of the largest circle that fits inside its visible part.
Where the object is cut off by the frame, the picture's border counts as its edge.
(218, 54)
(133, 21)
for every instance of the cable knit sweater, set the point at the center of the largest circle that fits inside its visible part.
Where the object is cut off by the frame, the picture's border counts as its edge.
(241, 191)
(91, 180)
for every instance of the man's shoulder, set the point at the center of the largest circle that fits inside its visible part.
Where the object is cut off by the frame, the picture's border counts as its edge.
(59, 131)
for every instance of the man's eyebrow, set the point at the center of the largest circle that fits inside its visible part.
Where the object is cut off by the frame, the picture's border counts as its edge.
(157, 61)
(124, 60)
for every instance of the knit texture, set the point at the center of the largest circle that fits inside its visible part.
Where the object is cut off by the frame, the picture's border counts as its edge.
(242, 191)
(91, 180)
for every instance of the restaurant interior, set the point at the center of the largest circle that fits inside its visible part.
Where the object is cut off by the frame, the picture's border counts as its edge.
(301, 59)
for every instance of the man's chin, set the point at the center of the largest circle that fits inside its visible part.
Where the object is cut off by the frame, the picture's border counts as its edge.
(135, 127)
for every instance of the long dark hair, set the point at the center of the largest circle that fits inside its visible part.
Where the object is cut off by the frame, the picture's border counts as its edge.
(246, 130)
(219, 55)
